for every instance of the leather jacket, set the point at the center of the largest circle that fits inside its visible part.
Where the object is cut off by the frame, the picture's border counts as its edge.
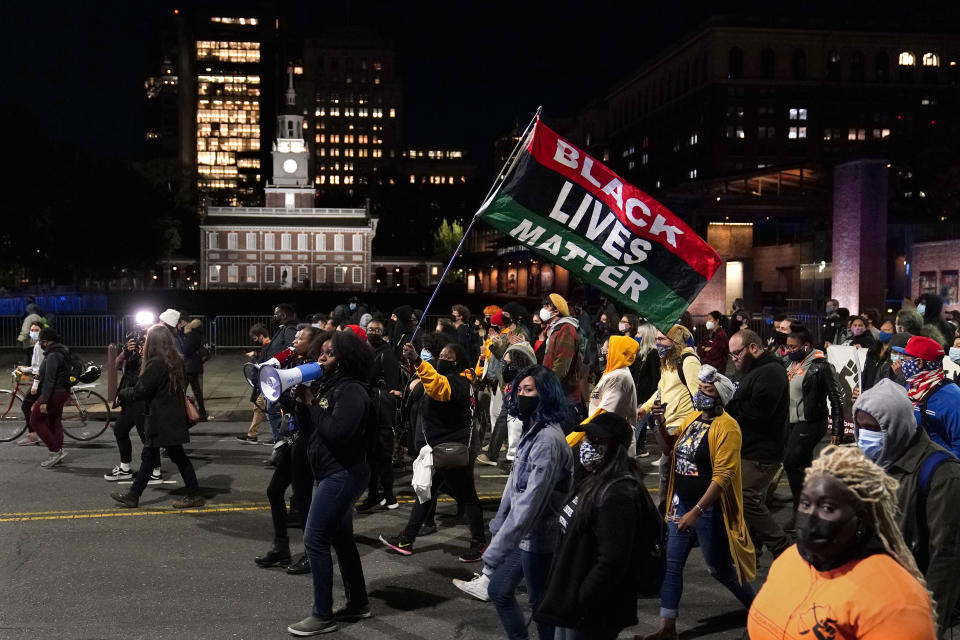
(820, 383)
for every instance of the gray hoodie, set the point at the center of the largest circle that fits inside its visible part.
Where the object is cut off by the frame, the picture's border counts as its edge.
(888, 404)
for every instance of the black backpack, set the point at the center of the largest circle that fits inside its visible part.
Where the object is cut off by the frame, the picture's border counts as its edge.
(74, 366)
(651, 535)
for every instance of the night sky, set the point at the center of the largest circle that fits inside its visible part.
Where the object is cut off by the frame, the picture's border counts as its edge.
(470, 70)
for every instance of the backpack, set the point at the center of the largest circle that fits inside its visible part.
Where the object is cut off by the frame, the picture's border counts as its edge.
(683, 378)
(651, 565)
(75, 367)
(930, 464)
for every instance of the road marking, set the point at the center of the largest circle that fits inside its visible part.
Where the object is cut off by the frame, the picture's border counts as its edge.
(151, 483)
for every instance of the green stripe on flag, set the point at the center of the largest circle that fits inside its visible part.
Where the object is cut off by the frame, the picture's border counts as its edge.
(560, 245)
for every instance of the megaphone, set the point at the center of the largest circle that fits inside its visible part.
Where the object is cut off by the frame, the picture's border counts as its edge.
(251, 373)
(273, 382)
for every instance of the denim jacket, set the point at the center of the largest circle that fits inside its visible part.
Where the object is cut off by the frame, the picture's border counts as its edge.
(536, 489)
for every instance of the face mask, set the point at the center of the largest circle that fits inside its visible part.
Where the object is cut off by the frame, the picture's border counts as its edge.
(34, 335)
(830, 309)
(703, 402)
(446, 367)
(622, 326)
(603, 360)
(710, 325)
(425, 355)
(526, 406)
(510, 372)
(910, 368)
(546, 315)
(955, 354)
(797, 356)
(374, 340)
(896, 357)
(922, 309)
(870, 442)
(883, 337)
(353, 307)
(826, 545)
(590, 458)
(662, 350)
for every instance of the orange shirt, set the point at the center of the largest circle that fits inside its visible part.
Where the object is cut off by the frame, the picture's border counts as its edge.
(869, 599)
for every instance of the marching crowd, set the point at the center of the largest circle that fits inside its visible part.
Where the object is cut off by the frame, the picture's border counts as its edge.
(571, 403)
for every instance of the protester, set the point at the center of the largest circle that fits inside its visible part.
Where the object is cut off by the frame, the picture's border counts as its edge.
(628, 325)
(777, 344)
(714, 350)
(525, 529)
(334, 419)
(355, 310)
(445, 326)
(929, 481)
(285, 321)
(936, 399)
(190, 339)
(401, 330)
(607, 526)
(760, 406)
(161, 387)
(561, 352)
(258, 334)
(930, 306)
(909, 321)
(385, 392)
(679, 368)
(704, 498)
(860, 335)
(834, 327)
(31, 373)
(132, 414)
(169, 320)
(291, 465)
(615, 391)
(646, 368)
(445, 418)
(605, 325)
(813, 381)
(26, 339)
(466, 335)
(850, 575)
(53, 391)
(876, 365)
(516, 358)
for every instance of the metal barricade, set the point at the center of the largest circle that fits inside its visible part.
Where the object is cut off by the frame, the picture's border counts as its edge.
(10, 329)
(232, 332)
(88, 331)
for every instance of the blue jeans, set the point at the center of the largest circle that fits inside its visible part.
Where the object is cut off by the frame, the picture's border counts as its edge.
(330, 523)
(520, 565)
(712, 536)
(272, 411)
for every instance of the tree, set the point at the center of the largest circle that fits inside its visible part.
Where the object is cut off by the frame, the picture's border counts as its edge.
(446, 239)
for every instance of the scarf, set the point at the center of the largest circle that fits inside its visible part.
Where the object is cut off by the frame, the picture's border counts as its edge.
(921, 383)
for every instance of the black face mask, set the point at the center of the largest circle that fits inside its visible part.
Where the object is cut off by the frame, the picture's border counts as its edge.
(526, 406)
(446, 367)
(374, 340)
(797, 356)
(510, 372)
(828, 545)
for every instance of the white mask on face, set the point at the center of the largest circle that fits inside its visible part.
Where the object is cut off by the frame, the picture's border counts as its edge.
(710, 325)
(34, 335)
(546, 315)
(921, 309)
(622, 326)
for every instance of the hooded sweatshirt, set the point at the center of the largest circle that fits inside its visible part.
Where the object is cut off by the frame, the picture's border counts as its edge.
(561, 355)
(615, 391)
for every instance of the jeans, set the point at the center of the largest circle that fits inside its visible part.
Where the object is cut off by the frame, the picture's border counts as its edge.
(150, 460)
(801, 441)
(712, 536)
(763, 528)
(48, 425)
(274, 416)
(459, 484)
(330, 524)
(292, 468)
(131, 416)
(533, 569)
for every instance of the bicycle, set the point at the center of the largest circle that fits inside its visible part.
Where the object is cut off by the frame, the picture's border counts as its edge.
(86, 414)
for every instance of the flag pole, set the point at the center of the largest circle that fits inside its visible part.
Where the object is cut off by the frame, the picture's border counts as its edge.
(501, 177)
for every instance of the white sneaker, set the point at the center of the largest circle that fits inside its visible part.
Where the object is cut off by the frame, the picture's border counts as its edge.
(476, 587)
(54, 458)
(156, 478)
(118, 474)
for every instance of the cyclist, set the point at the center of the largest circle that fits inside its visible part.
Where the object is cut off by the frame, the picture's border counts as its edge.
(31, 371)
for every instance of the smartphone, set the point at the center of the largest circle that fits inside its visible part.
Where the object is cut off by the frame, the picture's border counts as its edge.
(658, 395)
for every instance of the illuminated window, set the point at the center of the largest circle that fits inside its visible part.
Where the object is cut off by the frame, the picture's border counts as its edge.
(798, 113)
(248, 163)
(251, 241)
(377, 153)
(231, 51)
(338, 242)
(797, 133)
(302, 273)
(233, 274)
(334, 179)
(393, 113)
(303, 244)
(362, 139)
(285, 241)
(242, 21)
(644, 158)
(906, 59)
(692, 174)
(213, 274)
(268, 242)
(251, 274)
(413, 180)
(212, 239)
(931, 60)
(334, 111)
(362, 153)
(269, 274)
(357, 275)
(362, 112)
(348, 139)
(231, 240)
(335, 152)
(693, 139)
(321, 276)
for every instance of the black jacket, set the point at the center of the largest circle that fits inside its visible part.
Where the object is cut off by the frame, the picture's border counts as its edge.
(446, 421)
(592, 583)
(281, 339)
(646, 375)
(385, 378)
(191, 339)
(166, 415)
(336, 425)
(874, 369)
(761, 406)
(820, 383)
(53, 371)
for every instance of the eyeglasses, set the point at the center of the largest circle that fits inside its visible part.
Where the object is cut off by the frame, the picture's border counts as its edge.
(793, 348)
(736, 355)
(374, 332)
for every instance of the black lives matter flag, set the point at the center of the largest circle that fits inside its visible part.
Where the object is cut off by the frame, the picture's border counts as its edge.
(577, 213)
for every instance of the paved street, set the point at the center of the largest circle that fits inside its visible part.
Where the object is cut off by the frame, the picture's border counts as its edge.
(75, 566)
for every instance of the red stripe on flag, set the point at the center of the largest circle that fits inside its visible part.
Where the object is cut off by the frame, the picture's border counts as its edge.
(640, 213)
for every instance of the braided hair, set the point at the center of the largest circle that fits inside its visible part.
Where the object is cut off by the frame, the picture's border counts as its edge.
(877, 494)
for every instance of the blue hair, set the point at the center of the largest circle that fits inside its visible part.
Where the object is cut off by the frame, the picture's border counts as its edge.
(553, 406)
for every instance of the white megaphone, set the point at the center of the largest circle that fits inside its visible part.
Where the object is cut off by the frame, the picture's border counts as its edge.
(273, 382)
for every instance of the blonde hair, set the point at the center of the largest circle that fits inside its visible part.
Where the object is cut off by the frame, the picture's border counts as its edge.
(648, 339)
(877, 493)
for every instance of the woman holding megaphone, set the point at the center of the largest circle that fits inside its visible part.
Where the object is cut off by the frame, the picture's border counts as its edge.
(334, 419)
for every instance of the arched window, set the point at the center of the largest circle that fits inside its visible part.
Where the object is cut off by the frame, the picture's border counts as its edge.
(882, 66)
(833, 65)
(931, 60)
(768, 63)
(906, 59)
(856, 67)
(735, 69)
(799, 65)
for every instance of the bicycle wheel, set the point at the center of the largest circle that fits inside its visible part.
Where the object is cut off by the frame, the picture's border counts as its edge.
(12, 422)
(85, 415)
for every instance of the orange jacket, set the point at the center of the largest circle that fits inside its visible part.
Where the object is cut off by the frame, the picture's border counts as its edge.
(869, 599)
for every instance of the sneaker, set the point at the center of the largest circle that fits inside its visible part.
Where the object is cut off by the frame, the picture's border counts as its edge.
(483, 459)
(53, 459)
(245, 439)
(428, 529)
(126, 498)
(642, 453)
(399, 543)
(477, 587)
(118, 474)
(28, 441)
(156, 478)
(475, 553)
(389, 503)
(312, 626)
(369, 505)
(352, 614)
(189, 502)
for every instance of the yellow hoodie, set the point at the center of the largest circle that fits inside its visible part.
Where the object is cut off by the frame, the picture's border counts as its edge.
(615, 391)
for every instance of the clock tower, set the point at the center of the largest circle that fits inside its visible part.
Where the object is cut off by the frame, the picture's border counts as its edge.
(290, 186)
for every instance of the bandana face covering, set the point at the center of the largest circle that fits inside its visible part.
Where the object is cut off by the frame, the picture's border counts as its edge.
(662, 351)
(703, 402)
(590, 458)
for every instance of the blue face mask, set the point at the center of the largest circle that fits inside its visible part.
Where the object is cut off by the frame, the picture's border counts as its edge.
(425, 355)
(955, 354)
(870, 442)
(662, 351)
(590, 458)
(884, 337)
(922, 309)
